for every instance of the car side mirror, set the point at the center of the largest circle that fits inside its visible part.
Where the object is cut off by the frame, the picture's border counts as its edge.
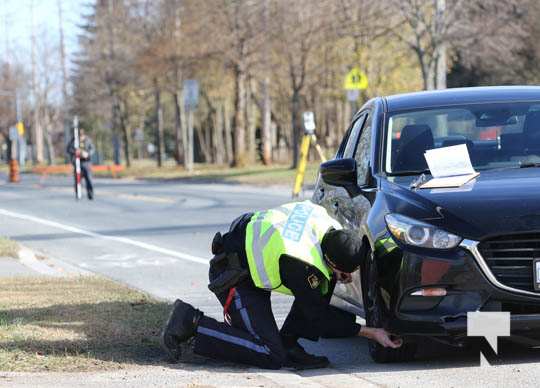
(342, 173)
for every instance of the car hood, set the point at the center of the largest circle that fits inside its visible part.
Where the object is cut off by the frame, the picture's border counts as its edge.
(496, 202)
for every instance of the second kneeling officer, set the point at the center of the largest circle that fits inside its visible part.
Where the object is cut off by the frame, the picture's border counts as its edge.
(296, 249)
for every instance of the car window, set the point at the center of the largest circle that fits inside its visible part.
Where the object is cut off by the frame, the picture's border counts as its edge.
(362, 151)
(496, 135)
(353, 137)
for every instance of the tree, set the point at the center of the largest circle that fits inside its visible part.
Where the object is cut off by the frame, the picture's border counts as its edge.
(437, 26)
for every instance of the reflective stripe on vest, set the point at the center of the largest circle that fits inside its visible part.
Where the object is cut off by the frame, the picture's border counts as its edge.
(294, 229)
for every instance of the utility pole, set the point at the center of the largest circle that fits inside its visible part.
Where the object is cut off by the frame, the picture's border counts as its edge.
(266, 135)
(6, 30)
(37, 129)
(64, 77)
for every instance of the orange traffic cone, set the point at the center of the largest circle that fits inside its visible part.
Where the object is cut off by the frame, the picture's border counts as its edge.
(14, 171)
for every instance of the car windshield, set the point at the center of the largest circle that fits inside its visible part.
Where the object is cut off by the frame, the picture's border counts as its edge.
(496, 135)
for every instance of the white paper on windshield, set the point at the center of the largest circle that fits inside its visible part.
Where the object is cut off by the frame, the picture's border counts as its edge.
(449, 166)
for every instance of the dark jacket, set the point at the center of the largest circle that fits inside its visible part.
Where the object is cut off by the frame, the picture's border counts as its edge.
(84, 145)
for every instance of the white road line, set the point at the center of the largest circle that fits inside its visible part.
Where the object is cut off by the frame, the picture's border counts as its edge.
(123, 240)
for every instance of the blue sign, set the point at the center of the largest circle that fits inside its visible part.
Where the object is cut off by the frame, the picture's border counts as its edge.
(191, 94)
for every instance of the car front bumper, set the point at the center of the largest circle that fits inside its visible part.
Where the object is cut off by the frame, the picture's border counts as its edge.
(470, 286)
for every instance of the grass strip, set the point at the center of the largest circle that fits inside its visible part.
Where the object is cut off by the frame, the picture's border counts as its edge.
(81, 324)
(8, 247)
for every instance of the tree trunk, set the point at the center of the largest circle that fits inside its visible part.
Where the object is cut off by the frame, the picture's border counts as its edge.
(441, 67)
(251, 127)
(48, 138)
(219, 144)
(440, 52)
(228, 134)
(177, 127)
(266, 133)
(140, 150)
(190, 141)
(126, 137)
(159, 125)
(239, 126)
(186, 145)
(296, 127)
(204, 142)
(266, 127)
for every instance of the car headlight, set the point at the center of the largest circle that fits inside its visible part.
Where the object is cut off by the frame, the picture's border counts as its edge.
(420, 234)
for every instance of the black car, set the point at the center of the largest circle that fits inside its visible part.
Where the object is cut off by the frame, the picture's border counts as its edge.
(439, 253)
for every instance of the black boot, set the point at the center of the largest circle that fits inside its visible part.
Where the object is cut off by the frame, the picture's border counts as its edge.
(177, 335)
(298, 358)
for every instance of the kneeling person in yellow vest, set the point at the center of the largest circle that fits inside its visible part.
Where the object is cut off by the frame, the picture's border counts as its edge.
(295, 249)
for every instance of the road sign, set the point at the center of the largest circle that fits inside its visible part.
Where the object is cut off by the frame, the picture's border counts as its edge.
(191, 94)
(355, 79)
(20, 128)
(309, 122)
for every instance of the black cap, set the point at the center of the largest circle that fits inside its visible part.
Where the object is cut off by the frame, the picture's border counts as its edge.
(344, 249)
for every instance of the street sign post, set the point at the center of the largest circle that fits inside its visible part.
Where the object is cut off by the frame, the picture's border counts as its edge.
(353, 95)
(355, 81)
(191, 101)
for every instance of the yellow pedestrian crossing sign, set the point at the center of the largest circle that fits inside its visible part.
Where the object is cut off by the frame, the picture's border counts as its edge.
(356, 79)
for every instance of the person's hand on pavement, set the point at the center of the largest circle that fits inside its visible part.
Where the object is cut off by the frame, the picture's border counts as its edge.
(345, 277)
(381, 336)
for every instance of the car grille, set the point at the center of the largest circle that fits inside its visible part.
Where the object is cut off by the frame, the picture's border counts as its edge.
(510, 259)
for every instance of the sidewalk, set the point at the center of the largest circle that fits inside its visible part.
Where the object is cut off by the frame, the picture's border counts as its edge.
(193, 376)
(13, 267)
(29, 263)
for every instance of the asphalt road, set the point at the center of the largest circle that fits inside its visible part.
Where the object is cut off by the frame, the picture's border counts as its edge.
(155, 236)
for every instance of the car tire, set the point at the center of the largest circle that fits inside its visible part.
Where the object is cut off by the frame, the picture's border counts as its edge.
(375, 317)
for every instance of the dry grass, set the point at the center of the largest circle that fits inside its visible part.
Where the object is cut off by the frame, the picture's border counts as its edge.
(278, 174)
(79, 324)
(257, 175)
(8, 248)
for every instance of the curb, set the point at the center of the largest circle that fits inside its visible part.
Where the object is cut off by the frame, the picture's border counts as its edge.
(48, 266)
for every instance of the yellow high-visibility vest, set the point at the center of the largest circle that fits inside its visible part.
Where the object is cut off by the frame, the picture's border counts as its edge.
(294, 229)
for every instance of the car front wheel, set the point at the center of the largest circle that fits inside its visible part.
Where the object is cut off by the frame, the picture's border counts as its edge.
(376, 317)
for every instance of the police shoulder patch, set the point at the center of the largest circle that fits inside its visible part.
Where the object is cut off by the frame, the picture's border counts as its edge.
(313, 281)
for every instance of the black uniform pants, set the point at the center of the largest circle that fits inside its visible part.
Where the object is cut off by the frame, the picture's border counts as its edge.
(253, 337)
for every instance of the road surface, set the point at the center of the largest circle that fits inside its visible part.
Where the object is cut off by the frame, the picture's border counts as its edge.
(155, 236)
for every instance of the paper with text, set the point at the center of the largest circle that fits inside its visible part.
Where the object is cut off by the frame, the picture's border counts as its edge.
(449, 161)
(449, 166)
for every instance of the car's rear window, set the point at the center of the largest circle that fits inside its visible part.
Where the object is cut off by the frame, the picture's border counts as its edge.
(496, 135)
